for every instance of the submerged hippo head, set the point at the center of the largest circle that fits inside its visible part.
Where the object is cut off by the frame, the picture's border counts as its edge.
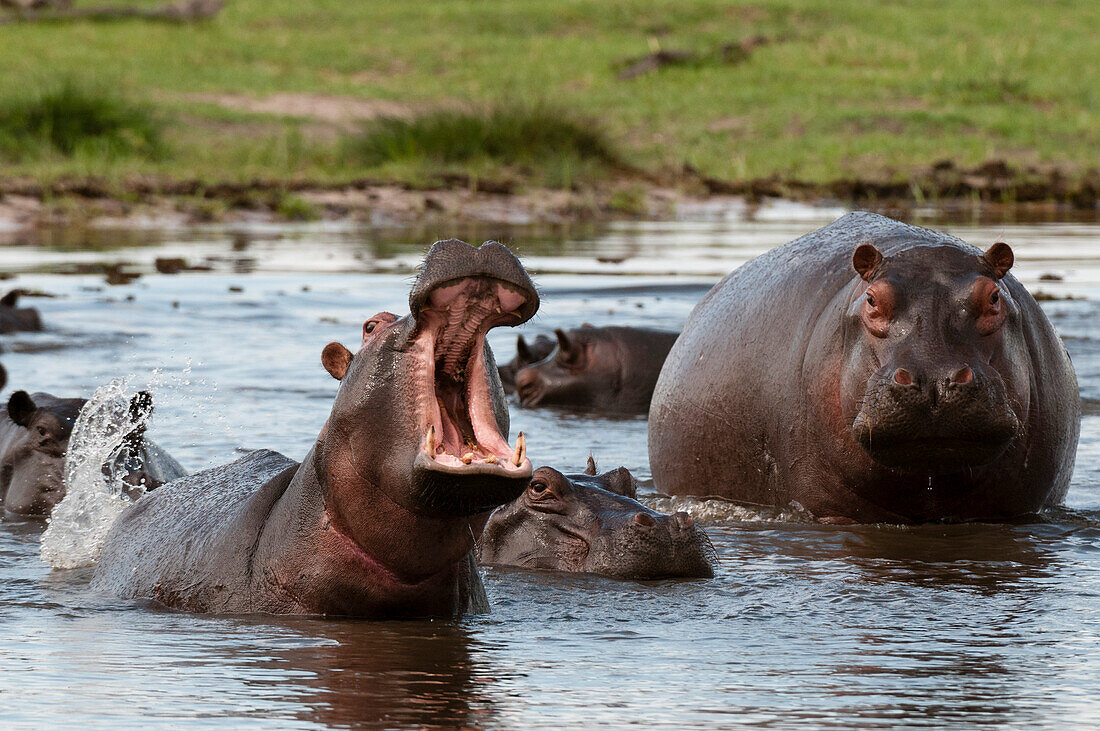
(591, 523)
(610, 369)
(420, 416)
(931, 378)
(14, 318)
(526, 354)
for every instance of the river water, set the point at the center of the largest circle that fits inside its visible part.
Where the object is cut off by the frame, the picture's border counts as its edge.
(876, 626)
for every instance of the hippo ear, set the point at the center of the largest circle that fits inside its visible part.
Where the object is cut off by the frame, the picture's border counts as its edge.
(523, 351)
(623, 483)
(1000, 257)
(11, 298)
(866, 260)
(336, 359)
(20, 408)
(591, 468)
(563, 341)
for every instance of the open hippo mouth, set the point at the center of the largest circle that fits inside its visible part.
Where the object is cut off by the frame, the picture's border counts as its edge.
(462, 435)
(465, 464)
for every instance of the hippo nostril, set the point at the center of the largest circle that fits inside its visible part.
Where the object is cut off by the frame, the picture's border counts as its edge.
(644, 519)
(903, 377)
(963, 376)
(682, 520)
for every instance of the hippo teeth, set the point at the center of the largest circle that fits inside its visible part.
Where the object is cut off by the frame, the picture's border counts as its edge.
(429, 440)
(520, 452)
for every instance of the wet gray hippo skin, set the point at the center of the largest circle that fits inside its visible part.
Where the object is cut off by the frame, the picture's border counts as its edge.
(602, 369)
(592, 523)
(14, 318)
(34, 439)
(872, 371)
(526, 354)
(376, 520)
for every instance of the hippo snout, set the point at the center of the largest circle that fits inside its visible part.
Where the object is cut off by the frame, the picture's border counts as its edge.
(935, 420)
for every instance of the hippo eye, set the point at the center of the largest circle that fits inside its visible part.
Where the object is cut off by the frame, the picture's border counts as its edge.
(369, 327)
(41, 431)
(538, 488)
(870, 299)
(995, 297)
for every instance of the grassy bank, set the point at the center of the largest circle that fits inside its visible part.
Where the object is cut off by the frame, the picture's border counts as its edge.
(809, 90)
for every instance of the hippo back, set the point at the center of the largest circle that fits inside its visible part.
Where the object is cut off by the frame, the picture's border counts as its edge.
(227, 507)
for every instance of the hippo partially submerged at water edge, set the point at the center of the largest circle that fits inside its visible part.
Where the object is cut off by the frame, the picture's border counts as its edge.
(34, 440)
(872, 371)
(14, 318)
(526, 354)
(592, 523)
(603, 369)
(376, 520)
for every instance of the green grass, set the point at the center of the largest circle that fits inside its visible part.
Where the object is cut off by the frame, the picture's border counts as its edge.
(845, 88)
(70, 120)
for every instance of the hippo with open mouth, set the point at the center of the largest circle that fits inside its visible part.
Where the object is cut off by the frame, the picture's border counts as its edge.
(376, 520)
(592, 523)
(873, 371)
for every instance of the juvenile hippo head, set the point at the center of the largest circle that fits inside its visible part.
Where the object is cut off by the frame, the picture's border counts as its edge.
(933, 381)
(420, 415)
(592, 523)
(609, 369)
(526, 354)
(32, 454)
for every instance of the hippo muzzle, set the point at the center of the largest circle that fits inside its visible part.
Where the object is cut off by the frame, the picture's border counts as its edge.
(940, 422)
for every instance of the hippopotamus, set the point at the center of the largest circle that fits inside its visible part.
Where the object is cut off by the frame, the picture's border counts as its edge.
(601, 369)
(592, 523)
(872, 371)
(526, 354)
(14, 318)
(34, 439)
(376, 520)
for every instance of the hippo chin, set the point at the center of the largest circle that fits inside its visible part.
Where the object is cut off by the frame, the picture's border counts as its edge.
(602, 369)
(14, 318)
(34, 440)
(592, 523)
(872, 371)
(526, 354)
(376, 520)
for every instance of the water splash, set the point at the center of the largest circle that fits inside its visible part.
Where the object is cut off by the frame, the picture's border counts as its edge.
(94, 495)
(714, 510)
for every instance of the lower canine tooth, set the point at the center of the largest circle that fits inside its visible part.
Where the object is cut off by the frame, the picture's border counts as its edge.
(429, 441)
(520, 452)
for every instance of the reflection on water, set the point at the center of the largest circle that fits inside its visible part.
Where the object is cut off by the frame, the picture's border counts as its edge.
(874, 626)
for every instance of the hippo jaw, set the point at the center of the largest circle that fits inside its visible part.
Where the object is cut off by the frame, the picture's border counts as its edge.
(464, 464)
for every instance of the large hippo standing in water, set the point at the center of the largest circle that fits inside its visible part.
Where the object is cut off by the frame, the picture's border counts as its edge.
(593, 523)
(872, 371)
(34, 440)
(376, 520)
(603, 369)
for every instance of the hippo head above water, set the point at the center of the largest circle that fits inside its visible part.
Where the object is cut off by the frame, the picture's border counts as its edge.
(420, 414)
(606, 369)
(32, 474)
(526, 354)
(592, 523)
(934, 377)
